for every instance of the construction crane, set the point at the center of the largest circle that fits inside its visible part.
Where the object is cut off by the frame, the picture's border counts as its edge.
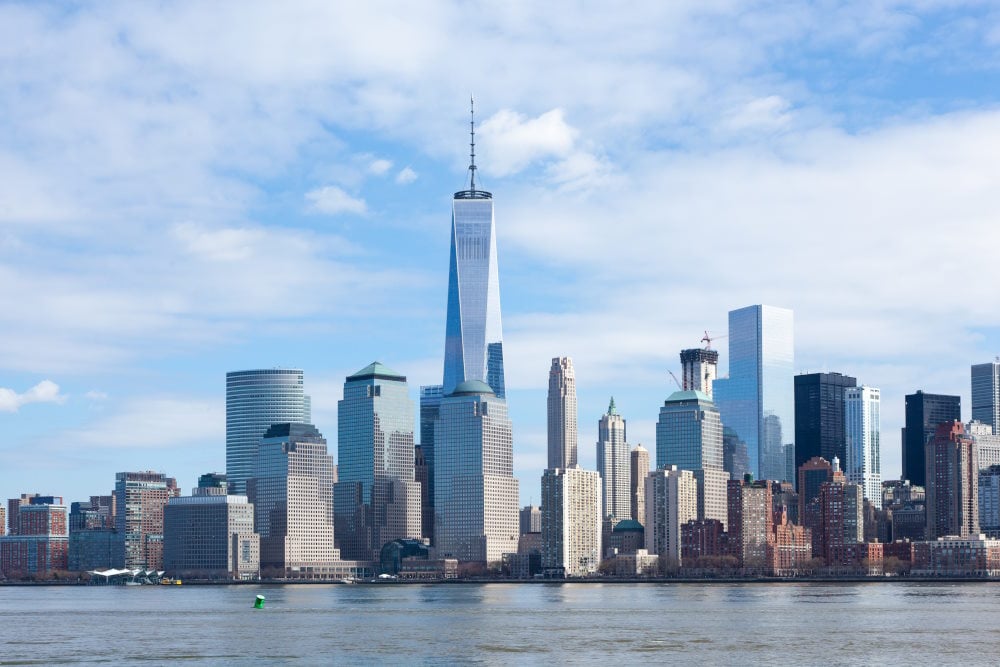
(676, 380)
(707, 339)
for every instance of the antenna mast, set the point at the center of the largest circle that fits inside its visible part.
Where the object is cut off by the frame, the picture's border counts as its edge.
(472, 143)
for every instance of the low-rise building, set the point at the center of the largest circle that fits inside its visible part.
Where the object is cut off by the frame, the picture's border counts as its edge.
(211, 536)
(953, 556)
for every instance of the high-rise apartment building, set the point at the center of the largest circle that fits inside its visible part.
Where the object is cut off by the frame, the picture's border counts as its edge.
(571, 521)
(292, 494)
(613, 467)
(255, 400)
(952, 482)
(862, 426)
(671, 501)
(699, 369)
(475, 492)
(376, 497)
(689, 436)
(819, 416)
(13, 504)
(751, 523)
(757, 400)
(638, 470)
(430, 408)
(139, 499)
(562, 414)
(986, 393)
(989, 500)
(473, 338)
(40, 543)
(923, 413)
(3, 521)
(987, 443)
(841, 521)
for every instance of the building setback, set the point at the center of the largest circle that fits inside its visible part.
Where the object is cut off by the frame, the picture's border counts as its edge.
(613, 466)
(952, 483)
(140, 498)
(571, 522)
(923, 413)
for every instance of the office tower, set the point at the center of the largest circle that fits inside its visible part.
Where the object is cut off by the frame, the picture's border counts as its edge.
(140, 498)
(292, 494)
(819, 416)
(421, 475)
(562, 414)
(987, 443)
(430, 407)
(841, 519)
(571, 522)
(757, 400)
(862, 428)
(638, 470)
(40, 543)
(923, 413)
(531, 519)
(473, 339)
(689, 436)
(735, 460)
(986, 393)
(989, 501)
(613, 466)
(671, 501)
(210, 535)
(475, 493)
(952, 482)
(255, 400)
(750, 522)
(699, 368)
(376, 498)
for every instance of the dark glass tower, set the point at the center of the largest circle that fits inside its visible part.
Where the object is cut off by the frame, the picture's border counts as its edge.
(923, 413)
(819, 416)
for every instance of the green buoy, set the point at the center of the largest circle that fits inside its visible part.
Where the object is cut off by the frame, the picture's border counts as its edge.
(259, 602)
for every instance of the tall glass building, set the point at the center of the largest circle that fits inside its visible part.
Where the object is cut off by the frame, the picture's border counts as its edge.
(376, 498)
(255, 400)
(862, 430)
(473, 348)
(430, 408)
(757, 400)
(986, 394)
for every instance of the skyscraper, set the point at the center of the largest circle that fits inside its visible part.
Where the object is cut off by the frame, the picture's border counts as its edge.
(562, 414)
(699, 368)
(475, 492)
(255, 400)
(571, 521)
(862, 428)
(638, 470)
(751, 522)
(952, 482)
(613, 466)
(140, 498)
(292, 494)
(376, 497)
(923, 413)
(689, 436)
(473, 339)
(986, 394)
(819, 416)
(671, 501)
(430, 408)
(757, 400)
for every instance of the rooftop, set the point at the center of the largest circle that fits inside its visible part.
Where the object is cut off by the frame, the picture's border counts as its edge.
(378, 370)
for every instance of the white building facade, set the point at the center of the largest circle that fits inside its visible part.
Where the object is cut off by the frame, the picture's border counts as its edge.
(571, 521)
(862, 431)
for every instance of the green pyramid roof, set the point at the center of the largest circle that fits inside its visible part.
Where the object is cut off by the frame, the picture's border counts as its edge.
(377, 369)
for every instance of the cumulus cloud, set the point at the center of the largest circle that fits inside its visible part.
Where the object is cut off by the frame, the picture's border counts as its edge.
(405, 176)
(513, 141)
(379, 167)
(332, 200)
(45, 391)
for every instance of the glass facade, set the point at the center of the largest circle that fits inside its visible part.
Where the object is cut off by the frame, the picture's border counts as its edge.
(861, 425)
(255, 400)
(757, 400)
(923, 413)
(819, 416)
(430, 408)
(376, 498)
(986, 394)
(473, 338)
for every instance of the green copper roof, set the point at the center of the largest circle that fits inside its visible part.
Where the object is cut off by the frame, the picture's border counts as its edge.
(377, 369)
(611, 407)
(627, 525)
(689, 396)
(472, 387)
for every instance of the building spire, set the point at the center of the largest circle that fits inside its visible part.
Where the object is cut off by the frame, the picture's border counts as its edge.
(472, 143)
(611, 407)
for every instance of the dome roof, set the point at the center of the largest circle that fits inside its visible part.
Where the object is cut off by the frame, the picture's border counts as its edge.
(628, 525)
(472, 387)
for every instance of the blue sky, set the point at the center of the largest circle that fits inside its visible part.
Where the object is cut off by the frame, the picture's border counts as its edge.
(192, 188)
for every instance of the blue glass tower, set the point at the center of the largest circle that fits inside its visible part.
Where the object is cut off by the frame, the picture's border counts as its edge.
(473, 348)
(757, 400)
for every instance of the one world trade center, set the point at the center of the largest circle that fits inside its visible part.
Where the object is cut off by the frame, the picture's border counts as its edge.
(473, 347)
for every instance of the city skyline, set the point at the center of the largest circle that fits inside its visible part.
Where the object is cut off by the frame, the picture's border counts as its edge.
(184, 212)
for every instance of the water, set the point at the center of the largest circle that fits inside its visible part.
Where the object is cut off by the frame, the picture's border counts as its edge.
(494, 624)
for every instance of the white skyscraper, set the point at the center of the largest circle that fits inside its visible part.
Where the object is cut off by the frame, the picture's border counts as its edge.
(861, 428)
(986, 394)
(571, 521)
(671, 501)
(475, 492)
(987, 443)
(562, 414)
(613, 466)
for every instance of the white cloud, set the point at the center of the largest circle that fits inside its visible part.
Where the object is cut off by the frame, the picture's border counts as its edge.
(96, 395)
(379, 167)
(513, 141)
(153, 422)
(405, 176)
(332, 200)
(45, 391)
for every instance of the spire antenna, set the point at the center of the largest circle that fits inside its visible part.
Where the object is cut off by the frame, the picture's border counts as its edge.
(472, 143)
